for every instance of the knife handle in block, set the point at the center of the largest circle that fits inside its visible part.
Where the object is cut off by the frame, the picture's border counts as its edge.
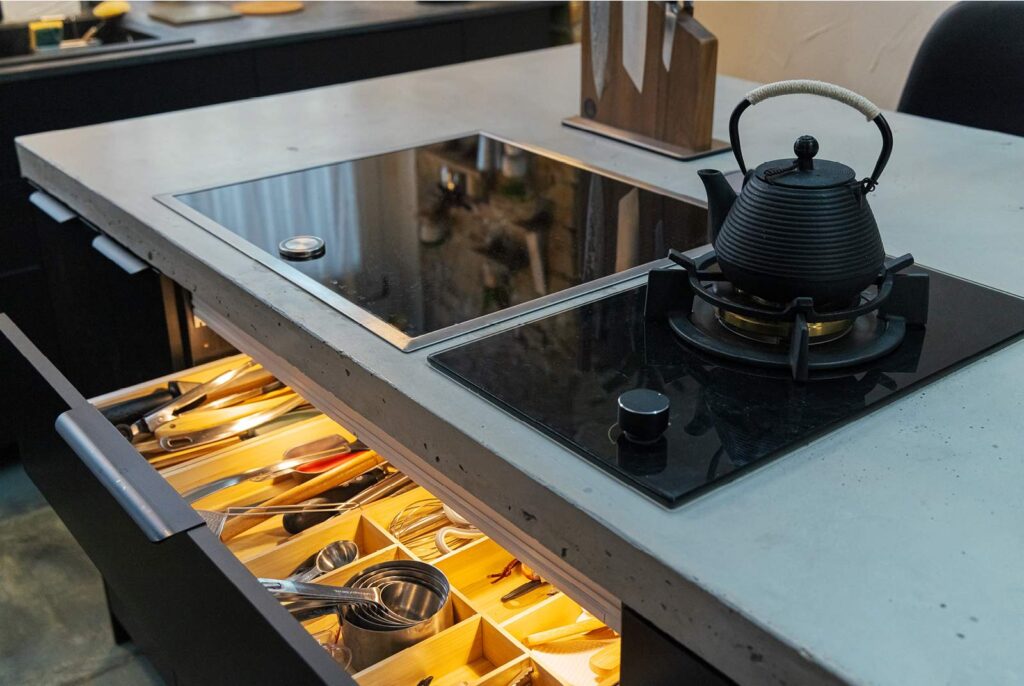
(567, 631)
(349, 469)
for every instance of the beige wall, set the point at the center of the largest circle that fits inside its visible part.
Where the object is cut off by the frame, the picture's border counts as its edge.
(865, 46)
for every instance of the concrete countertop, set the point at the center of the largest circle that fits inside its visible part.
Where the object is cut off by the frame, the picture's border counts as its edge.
(887, 552)
(317, 20)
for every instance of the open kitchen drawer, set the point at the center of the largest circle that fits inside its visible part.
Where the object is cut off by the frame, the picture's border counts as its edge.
(192, 602)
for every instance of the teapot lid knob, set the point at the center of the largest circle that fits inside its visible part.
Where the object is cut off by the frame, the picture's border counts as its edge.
(806, 147)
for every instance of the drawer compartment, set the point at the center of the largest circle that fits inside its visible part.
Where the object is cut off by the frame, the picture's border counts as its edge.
(567, 660)
(467, 652)
(175, 584)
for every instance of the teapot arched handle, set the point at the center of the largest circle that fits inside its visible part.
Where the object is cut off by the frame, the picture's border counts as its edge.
(825, 90)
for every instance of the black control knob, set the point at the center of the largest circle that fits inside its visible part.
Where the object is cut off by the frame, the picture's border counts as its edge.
(643, 415)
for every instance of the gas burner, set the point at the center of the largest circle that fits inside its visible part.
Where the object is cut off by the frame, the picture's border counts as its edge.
(770, 331)
(743, 327)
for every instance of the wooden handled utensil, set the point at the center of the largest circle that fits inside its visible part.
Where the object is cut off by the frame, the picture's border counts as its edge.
(608, 658)
(579, 628)
(349, 469)
(173, 437)
(199, 420)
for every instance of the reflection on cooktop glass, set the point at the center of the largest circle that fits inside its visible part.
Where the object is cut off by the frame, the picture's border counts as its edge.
(563, 374)
(438, 235)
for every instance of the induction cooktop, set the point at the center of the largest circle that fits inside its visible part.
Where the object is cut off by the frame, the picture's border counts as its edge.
(425, 243)
(564, 375)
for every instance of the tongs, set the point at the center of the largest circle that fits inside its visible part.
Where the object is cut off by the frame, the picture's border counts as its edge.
(196, 395)
(231, 428)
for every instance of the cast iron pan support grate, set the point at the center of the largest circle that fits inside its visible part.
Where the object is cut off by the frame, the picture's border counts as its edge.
(900, 300)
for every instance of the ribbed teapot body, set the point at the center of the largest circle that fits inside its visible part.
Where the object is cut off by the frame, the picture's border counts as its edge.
(779, 242)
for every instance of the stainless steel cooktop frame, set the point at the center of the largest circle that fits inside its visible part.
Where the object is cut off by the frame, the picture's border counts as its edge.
(370, 321)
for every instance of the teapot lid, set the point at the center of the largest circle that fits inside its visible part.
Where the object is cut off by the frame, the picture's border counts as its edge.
(805, 171)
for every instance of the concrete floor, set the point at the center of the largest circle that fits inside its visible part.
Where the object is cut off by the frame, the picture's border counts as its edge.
(54, 628)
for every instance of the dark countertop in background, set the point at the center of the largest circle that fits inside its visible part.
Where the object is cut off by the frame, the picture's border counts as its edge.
(316, 20)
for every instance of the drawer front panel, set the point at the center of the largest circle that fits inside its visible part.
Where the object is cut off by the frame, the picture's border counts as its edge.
(189, 604)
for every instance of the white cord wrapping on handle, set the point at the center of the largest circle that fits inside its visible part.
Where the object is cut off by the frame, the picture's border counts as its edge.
(811, 87)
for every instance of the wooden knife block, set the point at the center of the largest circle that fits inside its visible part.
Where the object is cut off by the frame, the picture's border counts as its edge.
(671, 113)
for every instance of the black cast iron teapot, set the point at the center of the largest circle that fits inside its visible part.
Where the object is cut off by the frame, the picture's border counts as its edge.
(799, 227)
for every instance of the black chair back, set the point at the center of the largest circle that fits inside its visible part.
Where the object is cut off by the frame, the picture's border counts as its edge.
(970, 68)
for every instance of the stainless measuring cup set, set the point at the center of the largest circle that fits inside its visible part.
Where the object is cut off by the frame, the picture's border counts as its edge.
(383, 609)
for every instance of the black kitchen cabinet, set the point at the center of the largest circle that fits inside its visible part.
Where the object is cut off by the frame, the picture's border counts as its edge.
(17, 252)
(110, 325)
(25, 299)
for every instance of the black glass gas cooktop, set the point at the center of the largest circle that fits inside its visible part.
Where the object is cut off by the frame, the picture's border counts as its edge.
(425, 243)
(563, 375)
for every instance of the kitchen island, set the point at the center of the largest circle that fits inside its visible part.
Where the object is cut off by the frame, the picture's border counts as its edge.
(885, 552)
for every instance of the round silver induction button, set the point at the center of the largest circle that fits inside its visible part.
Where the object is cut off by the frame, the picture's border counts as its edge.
(299, 248)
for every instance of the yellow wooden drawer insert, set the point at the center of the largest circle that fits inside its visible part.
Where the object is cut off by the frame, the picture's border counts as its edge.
(483, 648)
(466, 652)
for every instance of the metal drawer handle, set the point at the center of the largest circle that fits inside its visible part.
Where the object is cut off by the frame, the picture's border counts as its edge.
(117, 254)
(53, 208)
(110, 458)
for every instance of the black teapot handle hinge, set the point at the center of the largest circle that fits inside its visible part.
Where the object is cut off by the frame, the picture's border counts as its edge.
(828, 90)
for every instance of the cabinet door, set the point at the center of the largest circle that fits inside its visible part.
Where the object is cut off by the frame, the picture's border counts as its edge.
(188, 603)
(18, 248)
(110, 325)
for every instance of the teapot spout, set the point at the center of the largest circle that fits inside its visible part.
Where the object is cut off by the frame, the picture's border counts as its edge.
(720, 199)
